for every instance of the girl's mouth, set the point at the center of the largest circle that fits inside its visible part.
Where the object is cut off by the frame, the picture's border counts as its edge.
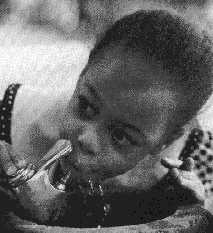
(90, 194)
(70, 183)
(69, 180)
(57, 177)
(89, 190)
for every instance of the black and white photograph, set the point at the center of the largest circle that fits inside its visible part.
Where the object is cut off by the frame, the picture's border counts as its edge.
(106, 116)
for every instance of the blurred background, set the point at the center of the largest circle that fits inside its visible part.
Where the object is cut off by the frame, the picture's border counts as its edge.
(47, 42)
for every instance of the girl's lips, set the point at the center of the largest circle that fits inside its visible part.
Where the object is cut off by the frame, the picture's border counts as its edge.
(63, 180)
(54, 173)
(72, 183)
(58, 178)
(65, 176)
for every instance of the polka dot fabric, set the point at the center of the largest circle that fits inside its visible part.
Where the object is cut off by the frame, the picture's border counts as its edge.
(199, 146)
(6, 107)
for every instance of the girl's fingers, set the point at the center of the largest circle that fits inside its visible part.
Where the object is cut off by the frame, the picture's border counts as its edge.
(188, 164)
(182, 177)
(6, 163)
(173, 174)
(195, 187)
(176, 174)
(188, 181)
(9, 160)
(171, 163)
(22, 176)
(18, 160)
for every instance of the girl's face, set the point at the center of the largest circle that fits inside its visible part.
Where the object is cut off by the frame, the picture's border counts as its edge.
(117, 117)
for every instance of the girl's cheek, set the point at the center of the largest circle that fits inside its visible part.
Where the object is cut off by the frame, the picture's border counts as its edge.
(143, 176)
(116, 164)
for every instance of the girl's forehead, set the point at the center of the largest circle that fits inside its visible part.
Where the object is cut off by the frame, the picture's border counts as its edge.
(123, 72)
(119, 66)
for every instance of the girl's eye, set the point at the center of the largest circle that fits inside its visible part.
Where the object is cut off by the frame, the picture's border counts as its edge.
(86, 109)
(120, 137)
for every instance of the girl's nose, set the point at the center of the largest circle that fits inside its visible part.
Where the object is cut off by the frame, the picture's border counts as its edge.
(88, 140)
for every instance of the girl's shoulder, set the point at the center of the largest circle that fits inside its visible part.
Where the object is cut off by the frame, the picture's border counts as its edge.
(6, 108)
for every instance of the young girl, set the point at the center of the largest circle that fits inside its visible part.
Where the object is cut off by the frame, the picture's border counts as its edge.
(127, 120)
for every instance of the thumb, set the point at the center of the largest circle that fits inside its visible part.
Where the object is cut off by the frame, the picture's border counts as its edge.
(188, 164)
(173, 174)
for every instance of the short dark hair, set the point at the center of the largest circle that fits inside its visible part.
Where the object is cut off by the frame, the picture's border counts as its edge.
(184, 51)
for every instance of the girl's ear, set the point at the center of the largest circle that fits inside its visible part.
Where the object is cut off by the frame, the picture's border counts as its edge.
(182, 132)
(174, 148)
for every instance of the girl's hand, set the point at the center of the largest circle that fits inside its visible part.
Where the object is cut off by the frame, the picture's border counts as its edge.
(182, 178)
(12, 167)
